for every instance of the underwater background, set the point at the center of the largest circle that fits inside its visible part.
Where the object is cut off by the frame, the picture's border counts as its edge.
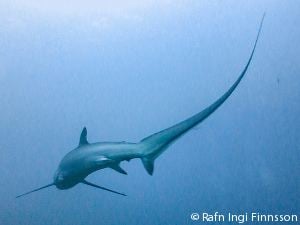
(127, 69)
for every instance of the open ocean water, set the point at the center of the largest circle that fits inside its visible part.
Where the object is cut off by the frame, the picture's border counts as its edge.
(127, 69)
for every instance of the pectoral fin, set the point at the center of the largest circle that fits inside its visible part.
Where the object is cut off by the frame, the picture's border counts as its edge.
(48, 185)
(100, 187)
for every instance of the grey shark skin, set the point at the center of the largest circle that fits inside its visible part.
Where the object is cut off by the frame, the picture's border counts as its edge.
(88, 158)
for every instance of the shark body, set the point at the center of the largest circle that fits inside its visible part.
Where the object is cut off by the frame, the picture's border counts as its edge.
(88, 158)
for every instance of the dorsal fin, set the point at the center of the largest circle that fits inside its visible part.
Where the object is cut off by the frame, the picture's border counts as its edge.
(83, 137)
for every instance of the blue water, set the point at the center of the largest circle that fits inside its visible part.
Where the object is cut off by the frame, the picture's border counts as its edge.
(127, 70)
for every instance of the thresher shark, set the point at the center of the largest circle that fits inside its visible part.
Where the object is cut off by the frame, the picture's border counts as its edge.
(87, 157)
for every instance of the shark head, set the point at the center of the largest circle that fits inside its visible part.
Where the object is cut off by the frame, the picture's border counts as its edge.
(58, 177)
(63, 180)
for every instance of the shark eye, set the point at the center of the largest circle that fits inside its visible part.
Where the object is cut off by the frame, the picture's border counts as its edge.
(60, 177)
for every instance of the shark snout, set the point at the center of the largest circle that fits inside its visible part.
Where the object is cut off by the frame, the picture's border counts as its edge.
(64, 180)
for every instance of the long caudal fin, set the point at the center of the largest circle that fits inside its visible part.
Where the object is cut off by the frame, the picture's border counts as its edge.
(156, 143)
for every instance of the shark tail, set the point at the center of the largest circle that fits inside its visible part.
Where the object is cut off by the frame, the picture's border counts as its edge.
(156, 144)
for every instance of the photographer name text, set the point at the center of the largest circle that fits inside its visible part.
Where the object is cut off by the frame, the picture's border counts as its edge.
(243, 218)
